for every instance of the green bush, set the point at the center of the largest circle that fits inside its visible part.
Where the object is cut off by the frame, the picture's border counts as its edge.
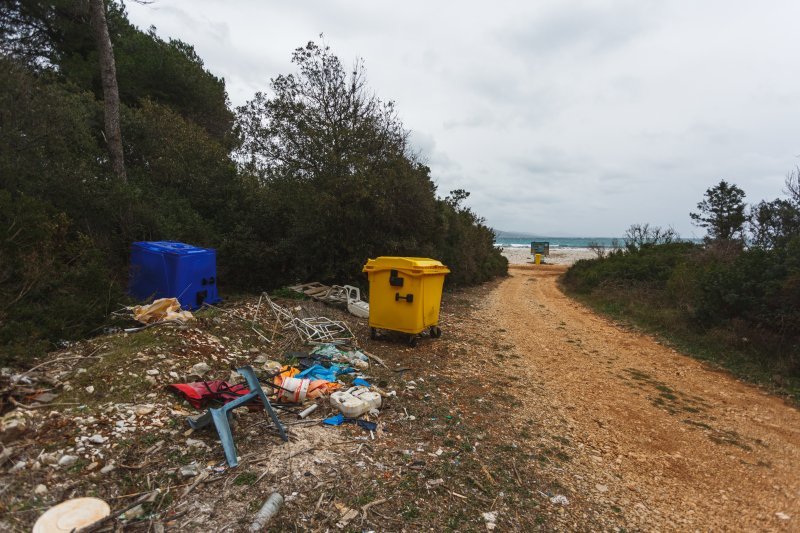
(727, 300)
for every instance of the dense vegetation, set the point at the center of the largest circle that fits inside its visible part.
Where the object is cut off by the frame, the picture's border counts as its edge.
(304, 182)
(734, 299)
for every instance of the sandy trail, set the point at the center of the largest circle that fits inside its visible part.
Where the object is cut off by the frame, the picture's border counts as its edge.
(671, 442)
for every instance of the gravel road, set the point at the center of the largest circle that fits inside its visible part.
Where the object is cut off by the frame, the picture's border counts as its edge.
(664, 440)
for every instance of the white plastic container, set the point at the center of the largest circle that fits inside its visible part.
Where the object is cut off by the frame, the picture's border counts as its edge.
(355, 401)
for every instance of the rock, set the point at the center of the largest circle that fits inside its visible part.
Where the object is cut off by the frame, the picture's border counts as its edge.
(67, 387)
(12, 426)
(173, 375)
(49, 458)
(143, 410)
(200, 369)
(67, 460)
(20, 465)
(490, 518)
(195, 443)
(90, 389)
(97, 439)
(782, 516)
(136, 512)
(559, 499)
(601, 488)
(92, 466)
(189, 470)
(40, 490)
(254, 350)
(153, 372)
(46, 397)
(106, 469)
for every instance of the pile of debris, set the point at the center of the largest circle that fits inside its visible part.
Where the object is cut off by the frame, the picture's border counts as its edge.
(320, 370)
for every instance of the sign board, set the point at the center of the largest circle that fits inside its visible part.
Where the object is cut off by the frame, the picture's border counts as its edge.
(540, 247)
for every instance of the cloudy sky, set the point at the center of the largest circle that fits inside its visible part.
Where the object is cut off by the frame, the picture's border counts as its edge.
(563, 118)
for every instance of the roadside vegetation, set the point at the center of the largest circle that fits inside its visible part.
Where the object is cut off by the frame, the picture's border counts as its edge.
(733, 300)
(306, 181)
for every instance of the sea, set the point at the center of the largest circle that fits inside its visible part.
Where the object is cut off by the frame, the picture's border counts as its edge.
(556, 242)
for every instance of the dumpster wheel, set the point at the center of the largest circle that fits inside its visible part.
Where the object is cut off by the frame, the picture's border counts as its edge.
(435, 332)
(412, 341)
(373, 333)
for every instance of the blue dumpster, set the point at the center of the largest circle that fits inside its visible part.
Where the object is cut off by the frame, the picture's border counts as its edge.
(167, 269)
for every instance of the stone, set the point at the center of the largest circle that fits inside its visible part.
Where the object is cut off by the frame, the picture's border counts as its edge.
(67, 460)
(90, 389)
(189, 470)
(136, 512)
(143, 410)
(200, 369)
(153, 372)
(106, 469)
(12, 426)
(40, 490)
(97, 439)
(601, 488)
(92, 466)
(195, 443)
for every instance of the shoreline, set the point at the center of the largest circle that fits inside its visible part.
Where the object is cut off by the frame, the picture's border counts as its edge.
(558, 256)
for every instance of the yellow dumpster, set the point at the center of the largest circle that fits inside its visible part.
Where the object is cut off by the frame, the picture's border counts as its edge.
(404, 295)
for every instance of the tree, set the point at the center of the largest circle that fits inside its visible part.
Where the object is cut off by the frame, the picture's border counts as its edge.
(638, 236)
(722, 212)
(108, 75)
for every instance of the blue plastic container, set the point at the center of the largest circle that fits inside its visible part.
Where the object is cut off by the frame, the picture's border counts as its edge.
(166, 269)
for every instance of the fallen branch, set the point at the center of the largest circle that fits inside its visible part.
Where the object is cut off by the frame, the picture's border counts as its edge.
(366, 507)
(373, 356)
(113, 516)
(60, 359)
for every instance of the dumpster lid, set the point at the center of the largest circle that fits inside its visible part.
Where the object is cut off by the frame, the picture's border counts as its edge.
(411, 265)
(170, 247)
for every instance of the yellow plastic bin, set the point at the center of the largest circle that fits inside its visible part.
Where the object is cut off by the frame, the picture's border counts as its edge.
(405, 294)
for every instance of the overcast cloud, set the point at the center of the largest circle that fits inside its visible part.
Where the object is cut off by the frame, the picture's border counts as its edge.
(561, 117)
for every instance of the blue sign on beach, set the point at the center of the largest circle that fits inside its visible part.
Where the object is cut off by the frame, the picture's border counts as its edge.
(540, 247)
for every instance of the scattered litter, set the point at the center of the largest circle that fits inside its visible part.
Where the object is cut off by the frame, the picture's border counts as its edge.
(340, 419)
(219, 417)
(559, 499)
(312, 329)
(161, 310)
(355, 401)
(307, 411)
(783, 516)
(359, 382)
(297, 390)
(201, 393)
(267, 512)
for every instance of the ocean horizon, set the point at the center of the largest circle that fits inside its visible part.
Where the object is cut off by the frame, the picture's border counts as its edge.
(557, 242)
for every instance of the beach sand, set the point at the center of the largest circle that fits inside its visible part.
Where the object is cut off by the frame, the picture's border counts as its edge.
(558, 256)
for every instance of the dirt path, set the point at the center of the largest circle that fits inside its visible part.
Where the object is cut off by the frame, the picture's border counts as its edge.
(660, 438)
